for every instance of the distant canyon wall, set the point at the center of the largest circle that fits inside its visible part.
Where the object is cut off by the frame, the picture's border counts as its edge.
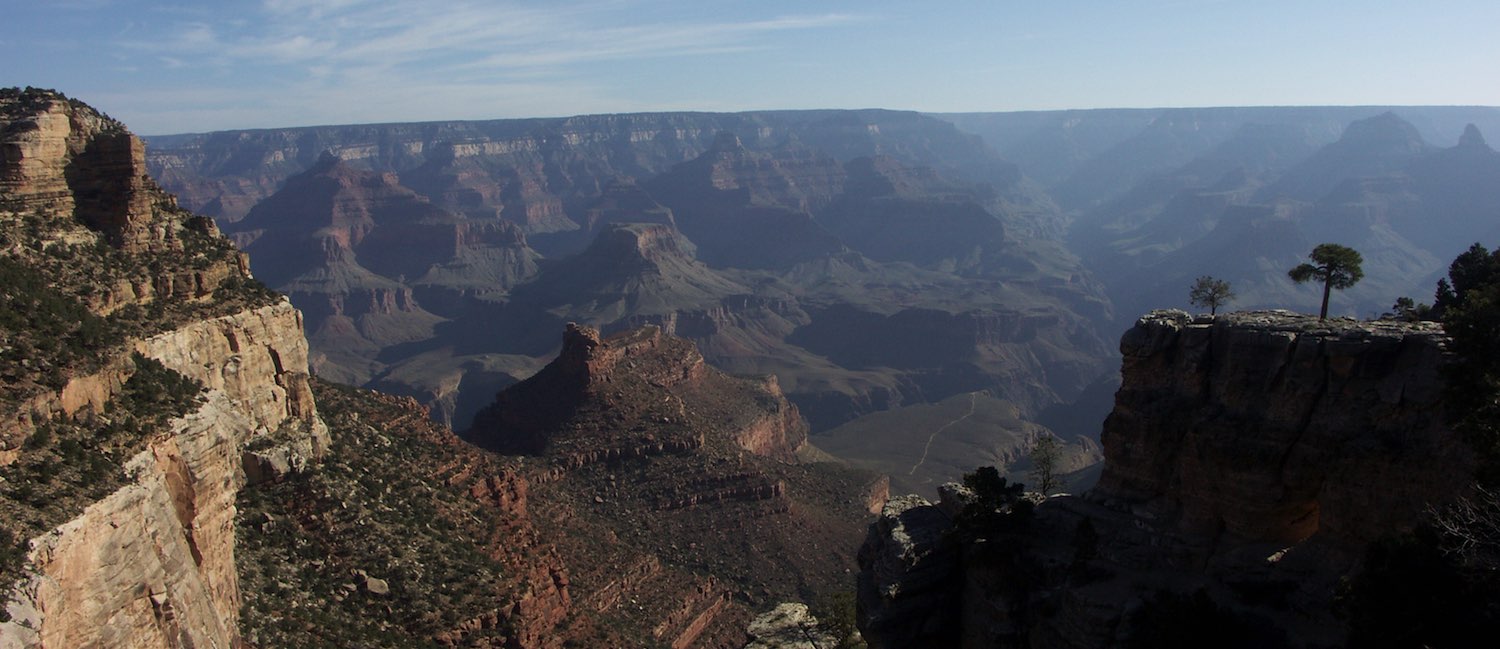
(869, 258)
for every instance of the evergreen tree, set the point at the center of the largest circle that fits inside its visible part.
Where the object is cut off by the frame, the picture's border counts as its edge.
(1336, 266)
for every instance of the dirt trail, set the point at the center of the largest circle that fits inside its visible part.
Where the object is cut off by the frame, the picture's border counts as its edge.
(973, 399)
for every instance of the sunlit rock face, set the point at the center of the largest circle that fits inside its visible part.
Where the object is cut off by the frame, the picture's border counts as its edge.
(151, 563)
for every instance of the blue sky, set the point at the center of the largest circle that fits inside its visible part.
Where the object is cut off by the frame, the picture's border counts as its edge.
(165, 67)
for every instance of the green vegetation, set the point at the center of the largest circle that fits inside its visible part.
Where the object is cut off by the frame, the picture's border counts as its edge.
(1210, 292)
(999, 507)
(1336, 266)
(382, 502)
(44, 332)
(67, 465)
(836, 616)
(29, 99)
(1468, 302)
(1408, 310)
(1440, 585)
(69, 300)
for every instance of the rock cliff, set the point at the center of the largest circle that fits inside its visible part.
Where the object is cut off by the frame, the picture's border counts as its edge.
(1250, 460)
(172, 380)
(167, 478)
(66, 158)
(1270, 426)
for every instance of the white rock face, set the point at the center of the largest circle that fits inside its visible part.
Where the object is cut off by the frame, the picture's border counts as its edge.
(788, 626)
(258, 358)
(152, 565)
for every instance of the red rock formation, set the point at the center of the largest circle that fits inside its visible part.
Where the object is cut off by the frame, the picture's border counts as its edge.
(749, 209)
(687, 478)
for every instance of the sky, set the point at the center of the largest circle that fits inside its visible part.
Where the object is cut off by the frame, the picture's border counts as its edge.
(175, 67)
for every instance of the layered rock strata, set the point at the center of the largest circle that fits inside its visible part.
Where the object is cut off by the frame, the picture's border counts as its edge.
(675, 493)
(152, 563)
(168, 577)
(743, 232)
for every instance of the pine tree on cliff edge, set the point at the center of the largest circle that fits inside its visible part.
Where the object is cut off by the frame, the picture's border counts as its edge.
(1338, 267)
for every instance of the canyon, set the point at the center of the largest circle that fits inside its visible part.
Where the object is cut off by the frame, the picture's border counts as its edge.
(181, 479)
(874, 261)
(615, 353)
(439, 260)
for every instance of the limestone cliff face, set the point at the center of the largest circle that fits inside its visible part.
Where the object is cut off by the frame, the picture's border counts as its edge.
(1250, 457)
(152, 565)
(1270, 426)
(525, 168)
(257, 358)
(78, 161)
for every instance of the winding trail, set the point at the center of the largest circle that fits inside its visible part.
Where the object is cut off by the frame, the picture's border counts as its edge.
(973, 398)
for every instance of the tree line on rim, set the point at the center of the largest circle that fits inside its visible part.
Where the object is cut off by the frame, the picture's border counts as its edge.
(1333, 265)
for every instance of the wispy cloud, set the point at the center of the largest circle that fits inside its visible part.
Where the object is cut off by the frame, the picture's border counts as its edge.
(386, 35)
(338, 60)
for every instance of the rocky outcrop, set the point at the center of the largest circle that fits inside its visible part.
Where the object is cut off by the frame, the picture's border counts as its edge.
(907, 573)
(1272, 426)
(600, 377)
(67, 159)
(788, 626)
(1250, 461)
(685, 502)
